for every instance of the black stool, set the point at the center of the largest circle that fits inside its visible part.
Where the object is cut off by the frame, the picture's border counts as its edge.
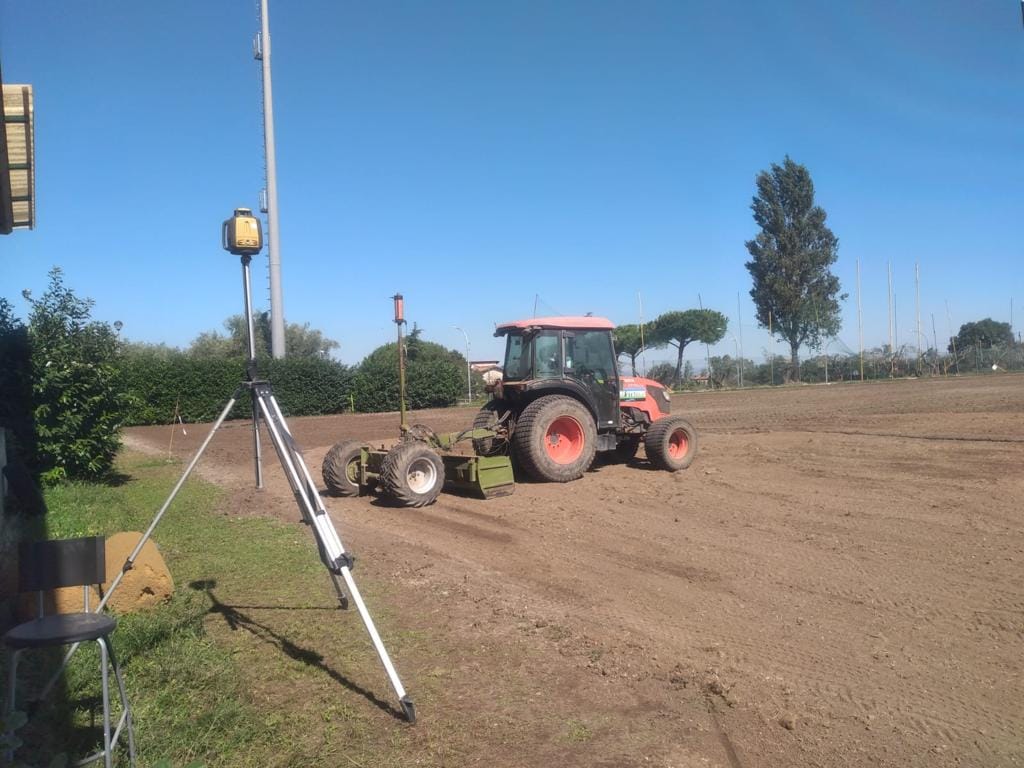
(47, 565)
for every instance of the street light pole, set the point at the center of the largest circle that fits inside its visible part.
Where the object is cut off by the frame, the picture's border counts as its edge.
(469, 373)
(262, 54)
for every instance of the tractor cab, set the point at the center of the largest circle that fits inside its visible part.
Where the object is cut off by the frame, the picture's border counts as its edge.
(562, 355)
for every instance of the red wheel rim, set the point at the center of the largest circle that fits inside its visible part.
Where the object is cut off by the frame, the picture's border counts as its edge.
(564, 440)
(678, 444)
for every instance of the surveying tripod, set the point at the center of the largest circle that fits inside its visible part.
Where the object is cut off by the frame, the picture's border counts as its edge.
(338, 562)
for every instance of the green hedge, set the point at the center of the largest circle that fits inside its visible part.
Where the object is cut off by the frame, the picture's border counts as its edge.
(159, 381)
(199, 388)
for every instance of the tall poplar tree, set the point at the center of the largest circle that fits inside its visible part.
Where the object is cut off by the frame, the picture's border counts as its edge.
(794, 292)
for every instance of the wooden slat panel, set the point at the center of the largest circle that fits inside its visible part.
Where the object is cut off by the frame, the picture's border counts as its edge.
(18, 109)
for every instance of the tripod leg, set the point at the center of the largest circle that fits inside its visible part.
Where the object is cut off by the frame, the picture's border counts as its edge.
(256, 441)
(338, 562)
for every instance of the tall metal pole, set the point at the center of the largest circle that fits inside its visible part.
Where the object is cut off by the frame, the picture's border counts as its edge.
(952, 338)
(739, 371)
(643, 346)
(917, 307)
(739, 330)
(892, 349)
(277, 348)
(895, 325)
(860, 323)
(469, 374)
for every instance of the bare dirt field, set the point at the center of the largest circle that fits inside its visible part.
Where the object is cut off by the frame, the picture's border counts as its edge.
(838, 580)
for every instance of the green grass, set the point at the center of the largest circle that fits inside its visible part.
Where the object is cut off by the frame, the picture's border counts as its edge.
(250, 663)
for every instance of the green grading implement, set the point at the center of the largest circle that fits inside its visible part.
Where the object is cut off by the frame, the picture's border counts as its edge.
(413, 472)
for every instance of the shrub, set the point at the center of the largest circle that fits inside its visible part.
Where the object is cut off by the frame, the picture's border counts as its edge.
(434, 377)
(77, 397)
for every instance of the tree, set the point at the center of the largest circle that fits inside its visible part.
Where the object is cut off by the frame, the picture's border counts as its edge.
(434, 376)
(78, 402)
(725, 371)
(794, 292)
(133, 350)
(677, 329)
(300, 340)
(630, 340)
(983, 333)
(15, 379)
(665, 373)
(304, 341)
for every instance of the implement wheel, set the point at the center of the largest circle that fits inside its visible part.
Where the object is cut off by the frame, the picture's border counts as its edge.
(486, 418)
(412, 475)
(671, 443)
(341, 468)
(555, 439)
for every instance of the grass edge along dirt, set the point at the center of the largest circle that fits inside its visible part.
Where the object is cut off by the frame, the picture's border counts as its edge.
(201, 690)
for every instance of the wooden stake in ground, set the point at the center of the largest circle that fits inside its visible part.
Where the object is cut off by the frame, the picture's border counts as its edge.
(175, 418)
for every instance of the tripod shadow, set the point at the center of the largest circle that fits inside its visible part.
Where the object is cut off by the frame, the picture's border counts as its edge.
(237, 620)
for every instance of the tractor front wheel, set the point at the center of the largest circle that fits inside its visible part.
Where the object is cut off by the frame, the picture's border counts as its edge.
(555, 439)
(671, 443)
(412, 475)
(341, 468)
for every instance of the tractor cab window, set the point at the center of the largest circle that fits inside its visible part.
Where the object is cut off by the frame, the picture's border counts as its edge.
(514, 360)
(589, 357)
(547, 357)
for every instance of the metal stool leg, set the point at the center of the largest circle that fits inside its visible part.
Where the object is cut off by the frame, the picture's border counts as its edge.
(12, 680)
(105, 675)
(126, 715)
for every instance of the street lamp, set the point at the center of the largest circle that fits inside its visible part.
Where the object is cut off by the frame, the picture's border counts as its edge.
(469, 374)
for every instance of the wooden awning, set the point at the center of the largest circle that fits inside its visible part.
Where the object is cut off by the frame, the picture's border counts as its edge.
(17, 159)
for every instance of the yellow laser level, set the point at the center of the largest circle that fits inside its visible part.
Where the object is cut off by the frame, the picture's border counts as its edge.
(242, 234)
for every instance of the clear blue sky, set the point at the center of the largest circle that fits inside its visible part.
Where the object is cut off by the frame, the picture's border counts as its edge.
(475, 156)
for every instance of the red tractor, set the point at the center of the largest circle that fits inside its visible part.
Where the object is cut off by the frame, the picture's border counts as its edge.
(562, 400)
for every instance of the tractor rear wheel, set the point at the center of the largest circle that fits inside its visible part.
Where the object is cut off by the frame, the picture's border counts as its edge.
(486, 418)
(412, 475)
(671, 443)
(341, 468)
(555, 439)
